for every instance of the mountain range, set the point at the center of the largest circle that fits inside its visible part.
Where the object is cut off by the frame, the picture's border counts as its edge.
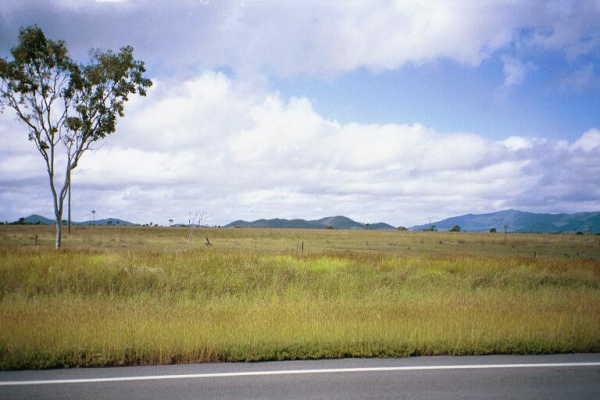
(40, 220)
(338, 222)
(520, 221)
(511, 220)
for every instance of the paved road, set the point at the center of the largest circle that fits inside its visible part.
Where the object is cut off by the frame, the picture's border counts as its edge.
(569, 376)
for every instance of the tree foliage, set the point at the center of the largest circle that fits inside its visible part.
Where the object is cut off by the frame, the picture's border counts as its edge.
(65, 106)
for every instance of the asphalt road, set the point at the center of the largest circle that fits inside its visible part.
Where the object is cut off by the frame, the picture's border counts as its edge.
(566, 376)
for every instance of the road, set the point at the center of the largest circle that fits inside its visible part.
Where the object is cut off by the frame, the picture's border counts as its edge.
(572, 376)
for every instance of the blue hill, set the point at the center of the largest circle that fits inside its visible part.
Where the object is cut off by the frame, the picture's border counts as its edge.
(521, 221)
(40, 220)
(337, 222)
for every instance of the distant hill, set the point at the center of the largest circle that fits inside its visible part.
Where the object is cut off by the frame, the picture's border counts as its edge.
(35, 219)
(521, 221)
(106, 221)
(379, 226)
(39, 220)
(338, 222)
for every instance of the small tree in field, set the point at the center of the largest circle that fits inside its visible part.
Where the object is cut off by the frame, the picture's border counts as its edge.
(455, 228)
(66, 107)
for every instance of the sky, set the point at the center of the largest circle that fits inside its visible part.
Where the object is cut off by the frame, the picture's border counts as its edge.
(402, 111)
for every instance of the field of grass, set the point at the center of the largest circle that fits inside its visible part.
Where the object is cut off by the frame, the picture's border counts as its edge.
(123, 296)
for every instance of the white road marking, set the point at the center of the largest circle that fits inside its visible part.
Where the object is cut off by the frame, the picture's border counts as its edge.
(299, 372)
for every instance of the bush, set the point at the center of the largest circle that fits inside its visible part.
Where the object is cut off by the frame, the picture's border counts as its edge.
(455, 228)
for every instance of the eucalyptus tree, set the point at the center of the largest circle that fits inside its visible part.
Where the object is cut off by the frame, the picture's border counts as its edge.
(66, 107)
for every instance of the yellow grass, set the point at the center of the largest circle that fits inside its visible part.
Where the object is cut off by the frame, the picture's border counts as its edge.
(122, 296)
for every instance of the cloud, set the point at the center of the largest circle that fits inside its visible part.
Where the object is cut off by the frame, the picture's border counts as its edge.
(308, 37)
(588, 142)
(209, 143)
(569, 26)
(514, 71)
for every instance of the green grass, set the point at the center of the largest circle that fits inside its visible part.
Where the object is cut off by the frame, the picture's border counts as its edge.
(125, 296)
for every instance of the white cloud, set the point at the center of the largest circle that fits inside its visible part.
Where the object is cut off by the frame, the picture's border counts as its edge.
(517, 143)
(514, 71)
(588, 142)
(208, 143)
(570, 26)
(312, 36)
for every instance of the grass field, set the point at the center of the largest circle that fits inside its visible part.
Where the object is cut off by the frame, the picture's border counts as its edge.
(123, 296)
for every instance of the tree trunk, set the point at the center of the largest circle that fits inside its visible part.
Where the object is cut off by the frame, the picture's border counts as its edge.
(58, 214)
(59, 202)
(69, 205)
(58, 241)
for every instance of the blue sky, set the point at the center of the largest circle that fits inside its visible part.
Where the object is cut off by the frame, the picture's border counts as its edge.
(394, 110)
(453, 97)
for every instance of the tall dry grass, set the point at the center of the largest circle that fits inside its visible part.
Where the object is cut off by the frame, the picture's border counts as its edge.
(167, 301)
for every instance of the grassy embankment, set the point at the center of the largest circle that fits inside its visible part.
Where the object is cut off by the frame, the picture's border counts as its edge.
(121, 296)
